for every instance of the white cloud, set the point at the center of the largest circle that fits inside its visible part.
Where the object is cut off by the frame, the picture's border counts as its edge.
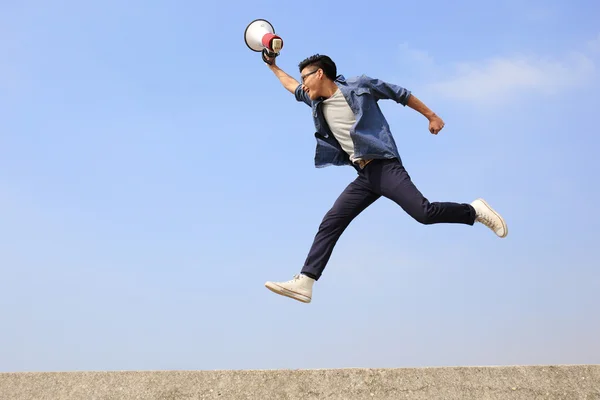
(496, 80)
(499, 79)
(421, 57)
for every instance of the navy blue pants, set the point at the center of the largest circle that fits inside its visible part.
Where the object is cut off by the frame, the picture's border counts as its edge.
(389, 179)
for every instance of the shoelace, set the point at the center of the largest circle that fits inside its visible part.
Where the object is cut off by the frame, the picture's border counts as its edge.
(487, 221)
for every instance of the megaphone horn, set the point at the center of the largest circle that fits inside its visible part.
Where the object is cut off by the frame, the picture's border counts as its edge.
(260, 37)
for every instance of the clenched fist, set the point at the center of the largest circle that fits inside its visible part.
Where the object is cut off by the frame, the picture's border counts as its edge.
(435, 124)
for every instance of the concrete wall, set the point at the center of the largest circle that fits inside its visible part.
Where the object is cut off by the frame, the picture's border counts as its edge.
(580, 382)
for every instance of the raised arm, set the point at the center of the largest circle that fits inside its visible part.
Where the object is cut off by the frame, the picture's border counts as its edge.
(291, 84)
(287, 81)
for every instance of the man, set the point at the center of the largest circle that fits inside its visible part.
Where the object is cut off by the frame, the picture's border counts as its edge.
(351, 130)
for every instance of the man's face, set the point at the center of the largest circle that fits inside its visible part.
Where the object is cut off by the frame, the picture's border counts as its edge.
(311, 79)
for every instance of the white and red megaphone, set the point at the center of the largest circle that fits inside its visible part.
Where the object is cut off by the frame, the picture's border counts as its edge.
(260, 37)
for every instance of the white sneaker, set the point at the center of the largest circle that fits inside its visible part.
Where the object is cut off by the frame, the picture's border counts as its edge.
(299, 288)
(489, 217)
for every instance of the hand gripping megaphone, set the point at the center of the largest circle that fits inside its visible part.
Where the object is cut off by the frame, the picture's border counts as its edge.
(260, 37)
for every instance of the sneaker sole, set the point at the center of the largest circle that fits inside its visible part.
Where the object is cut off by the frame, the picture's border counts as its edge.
(287, 293)
(499, 217)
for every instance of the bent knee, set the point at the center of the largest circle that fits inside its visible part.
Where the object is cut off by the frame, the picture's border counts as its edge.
(423, 215)
(423, 218)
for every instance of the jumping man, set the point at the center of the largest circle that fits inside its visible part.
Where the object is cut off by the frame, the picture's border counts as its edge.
(351, 130)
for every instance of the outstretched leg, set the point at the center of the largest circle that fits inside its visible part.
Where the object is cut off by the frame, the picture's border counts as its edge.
(352, 201)
(393, 182)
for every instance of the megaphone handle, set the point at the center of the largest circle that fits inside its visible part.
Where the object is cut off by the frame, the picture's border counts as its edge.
(266, 52)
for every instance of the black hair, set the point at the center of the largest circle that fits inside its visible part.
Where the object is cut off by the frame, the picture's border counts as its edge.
(320, 61)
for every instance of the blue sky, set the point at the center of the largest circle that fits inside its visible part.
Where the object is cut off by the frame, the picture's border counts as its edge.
(154, 174)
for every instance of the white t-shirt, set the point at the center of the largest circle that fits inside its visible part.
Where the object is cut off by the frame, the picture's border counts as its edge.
(340, 118)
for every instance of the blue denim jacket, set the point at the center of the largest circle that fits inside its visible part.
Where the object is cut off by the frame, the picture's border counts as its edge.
(371, 133)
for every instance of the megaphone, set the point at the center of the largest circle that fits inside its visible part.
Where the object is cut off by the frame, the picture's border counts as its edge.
(260, 37)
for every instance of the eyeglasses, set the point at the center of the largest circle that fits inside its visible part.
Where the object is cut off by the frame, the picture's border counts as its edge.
(303, 77)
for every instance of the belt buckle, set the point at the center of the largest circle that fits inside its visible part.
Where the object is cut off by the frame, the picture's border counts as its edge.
(363, 163)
